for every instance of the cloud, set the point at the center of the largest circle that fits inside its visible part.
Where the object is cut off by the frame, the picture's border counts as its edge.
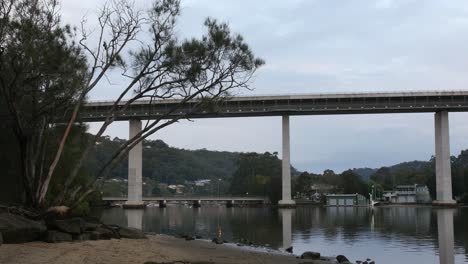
(331, 46)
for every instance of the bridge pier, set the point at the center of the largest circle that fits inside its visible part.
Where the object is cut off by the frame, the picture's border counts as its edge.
(442, 156)
(286, 200)
(135, 160)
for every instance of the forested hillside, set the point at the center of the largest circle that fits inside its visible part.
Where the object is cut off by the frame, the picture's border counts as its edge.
(166, 164)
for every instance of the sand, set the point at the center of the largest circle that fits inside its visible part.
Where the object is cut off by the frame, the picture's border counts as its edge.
(157, 248)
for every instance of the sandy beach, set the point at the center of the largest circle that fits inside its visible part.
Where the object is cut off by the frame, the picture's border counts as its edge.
(157, 249)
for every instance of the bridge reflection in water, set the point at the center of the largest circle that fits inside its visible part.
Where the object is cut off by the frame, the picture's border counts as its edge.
(445, 235)
(388, 235)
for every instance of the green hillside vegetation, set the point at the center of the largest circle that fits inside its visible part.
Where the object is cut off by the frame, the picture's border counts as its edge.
(166, 164)
(258, 174)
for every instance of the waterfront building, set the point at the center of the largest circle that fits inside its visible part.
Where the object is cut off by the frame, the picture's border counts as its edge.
(415, 193)
(346, 200)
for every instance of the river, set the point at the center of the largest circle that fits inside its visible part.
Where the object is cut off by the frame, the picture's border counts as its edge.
(387, 235)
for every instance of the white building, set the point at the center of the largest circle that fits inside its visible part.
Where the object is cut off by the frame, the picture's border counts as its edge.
(415, 193)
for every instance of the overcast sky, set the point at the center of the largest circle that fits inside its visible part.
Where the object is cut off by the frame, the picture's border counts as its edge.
(326, 46)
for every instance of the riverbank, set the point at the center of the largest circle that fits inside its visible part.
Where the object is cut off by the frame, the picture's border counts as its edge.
(155, 249)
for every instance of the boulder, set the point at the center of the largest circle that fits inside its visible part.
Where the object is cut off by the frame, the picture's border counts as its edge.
(289, 250)
(310, 255)
(87, 226)
(18, 229)
(72, 225)
(53, 236)
(341, 259)
(102, 233)
(133, 233)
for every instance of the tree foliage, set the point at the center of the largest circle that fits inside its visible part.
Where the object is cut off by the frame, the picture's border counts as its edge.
(257, 174)
(41, 73)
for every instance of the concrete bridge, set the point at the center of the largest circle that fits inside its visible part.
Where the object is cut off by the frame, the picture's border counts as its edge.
(196, 200)
(440, 103)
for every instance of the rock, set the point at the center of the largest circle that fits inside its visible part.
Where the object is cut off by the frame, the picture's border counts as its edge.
(53, 236)
(82, 237)
(289, 250)
(198, 237)
(115, 230)
(18, 229)
(71, 225)
(310, 255)
(133, 233)
(87, 226)
(217, 241)
(189, 238)
(341, 259)
(102, 233)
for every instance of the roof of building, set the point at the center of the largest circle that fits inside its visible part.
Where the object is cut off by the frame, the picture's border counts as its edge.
(343, 195)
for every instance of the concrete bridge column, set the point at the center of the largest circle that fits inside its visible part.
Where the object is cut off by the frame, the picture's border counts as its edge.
(135, 181)
(286, 200)
(442, 156)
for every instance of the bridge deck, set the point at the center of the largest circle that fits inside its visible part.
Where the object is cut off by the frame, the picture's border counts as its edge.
(311, 104)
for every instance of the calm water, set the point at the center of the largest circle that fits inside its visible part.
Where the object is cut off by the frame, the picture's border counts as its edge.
(387, 235)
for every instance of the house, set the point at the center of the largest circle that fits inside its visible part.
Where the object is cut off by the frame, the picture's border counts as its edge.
(322, 188)
(346, 200)
(179, 189)
(202, 183)
(415, 193)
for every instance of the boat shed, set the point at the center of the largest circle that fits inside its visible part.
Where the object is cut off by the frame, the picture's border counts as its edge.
(346, 200)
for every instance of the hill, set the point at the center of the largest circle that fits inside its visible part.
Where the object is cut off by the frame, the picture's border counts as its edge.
(166, 164)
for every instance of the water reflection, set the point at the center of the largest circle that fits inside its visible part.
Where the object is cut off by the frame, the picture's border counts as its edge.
(286, 216)
(135, 218)
(445, 234)
(387, 234)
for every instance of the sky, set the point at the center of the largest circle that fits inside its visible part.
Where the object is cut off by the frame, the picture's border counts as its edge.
(325, 46)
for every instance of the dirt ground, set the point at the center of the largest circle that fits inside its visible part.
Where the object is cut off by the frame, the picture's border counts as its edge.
(155, 249)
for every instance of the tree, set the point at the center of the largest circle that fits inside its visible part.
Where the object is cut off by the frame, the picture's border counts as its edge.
(303, 183)
(45, 77)
(41, 73)
(200, 71)
(257, 174)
